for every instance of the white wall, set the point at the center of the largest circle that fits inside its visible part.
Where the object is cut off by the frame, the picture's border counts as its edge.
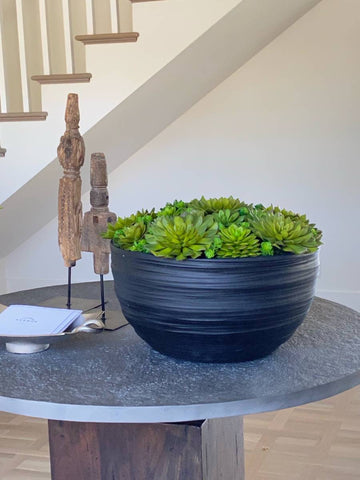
(283, 129)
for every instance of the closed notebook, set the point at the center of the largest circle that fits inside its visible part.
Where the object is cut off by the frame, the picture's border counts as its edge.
(30, 320)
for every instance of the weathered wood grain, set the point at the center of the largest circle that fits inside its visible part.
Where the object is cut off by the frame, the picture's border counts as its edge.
(223, 449)
(96, 220)
(93, 451)
(71, 153)
(209, 450)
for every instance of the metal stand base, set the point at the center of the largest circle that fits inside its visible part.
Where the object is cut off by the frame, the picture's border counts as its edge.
(77, 303)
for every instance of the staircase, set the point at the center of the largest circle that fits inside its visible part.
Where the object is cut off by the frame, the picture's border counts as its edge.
(117, 71)
(43, 42)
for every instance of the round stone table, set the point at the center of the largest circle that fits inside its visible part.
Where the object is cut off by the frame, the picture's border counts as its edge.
(119, 410)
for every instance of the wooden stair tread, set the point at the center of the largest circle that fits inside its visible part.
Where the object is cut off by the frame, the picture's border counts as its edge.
(107, 38)
(22, 116)
(63, 78)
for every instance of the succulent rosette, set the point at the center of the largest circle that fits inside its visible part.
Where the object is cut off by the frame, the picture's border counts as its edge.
(215, 228)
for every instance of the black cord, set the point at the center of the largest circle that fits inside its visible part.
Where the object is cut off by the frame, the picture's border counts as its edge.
(117, 328)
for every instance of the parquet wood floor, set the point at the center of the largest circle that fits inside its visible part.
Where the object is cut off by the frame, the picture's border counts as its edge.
(318, 441)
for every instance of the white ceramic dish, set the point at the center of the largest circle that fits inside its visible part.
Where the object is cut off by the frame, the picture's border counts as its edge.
(38, 343)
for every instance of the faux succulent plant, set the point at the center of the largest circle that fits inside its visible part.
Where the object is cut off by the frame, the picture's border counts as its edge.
(214, 205)
(181, 236)
(287, 233)
(238, 241)
(215, 228)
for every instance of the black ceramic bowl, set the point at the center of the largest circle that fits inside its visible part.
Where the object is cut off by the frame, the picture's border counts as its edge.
(214, 310)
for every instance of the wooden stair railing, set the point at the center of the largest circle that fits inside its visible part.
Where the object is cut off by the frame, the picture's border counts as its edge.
(36, 42)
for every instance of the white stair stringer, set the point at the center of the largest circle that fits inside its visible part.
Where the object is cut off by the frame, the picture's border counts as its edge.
(220, 51)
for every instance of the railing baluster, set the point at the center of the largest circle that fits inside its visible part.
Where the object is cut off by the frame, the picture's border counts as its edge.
(114, 16)
(2, 76)
(67, 37)
(44, 37)
(23, 69)
(124, 16)
(56, 37)
(102, 16)
(33, 50)
(77, 15)
(11, 56)
(89, 18)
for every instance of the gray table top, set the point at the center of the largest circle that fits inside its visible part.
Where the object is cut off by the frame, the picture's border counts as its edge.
(116, 377)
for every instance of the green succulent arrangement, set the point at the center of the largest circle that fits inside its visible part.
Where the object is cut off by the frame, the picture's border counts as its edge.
(215, 228)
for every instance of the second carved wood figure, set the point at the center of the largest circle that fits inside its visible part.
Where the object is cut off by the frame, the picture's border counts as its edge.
(96, 220)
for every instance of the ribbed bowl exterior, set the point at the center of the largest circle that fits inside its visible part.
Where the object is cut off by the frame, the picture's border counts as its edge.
(214, 310)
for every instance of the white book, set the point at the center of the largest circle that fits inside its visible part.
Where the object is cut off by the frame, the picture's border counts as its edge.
(30, 320)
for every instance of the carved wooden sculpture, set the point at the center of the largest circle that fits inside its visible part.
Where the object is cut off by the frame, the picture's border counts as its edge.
(96, 220)
(71, 152)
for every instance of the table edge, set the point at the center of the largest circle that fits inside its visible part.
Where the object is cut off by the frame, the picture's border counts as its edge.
(174, 413)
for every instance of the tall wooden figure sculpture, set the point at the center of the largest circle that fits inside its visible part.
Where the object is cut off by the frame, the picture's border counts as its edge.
(71, 152)
(96, 220)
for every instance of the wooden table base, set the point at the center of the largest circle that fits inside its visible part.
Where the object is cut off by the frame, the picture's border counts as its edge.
(204, 450)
